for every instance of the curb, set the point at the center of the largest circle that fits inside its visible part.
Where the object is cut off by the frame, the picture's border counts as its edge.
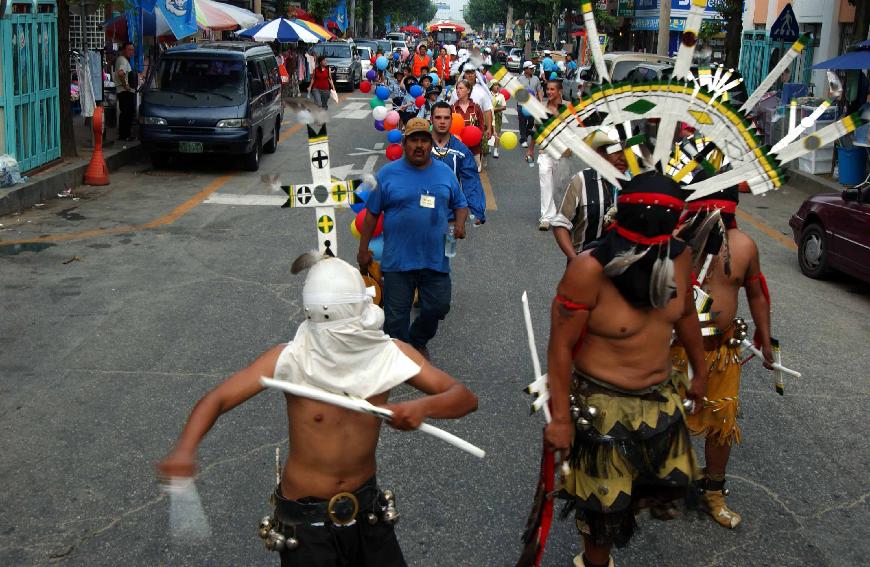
(812, 184)
(47, 184)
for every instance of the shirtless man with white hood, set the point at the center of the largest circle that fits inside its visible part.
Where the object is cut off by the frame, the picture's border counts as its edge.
(328, 506)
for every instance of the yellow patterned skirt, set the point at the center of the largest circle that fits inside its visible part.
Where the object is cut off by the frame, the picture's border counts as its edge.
(637, 453)
(717, 420)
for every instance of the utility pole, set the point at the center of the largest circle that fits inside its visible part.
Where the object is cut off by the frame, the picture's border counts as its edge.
(664, 39)
(370, 27)
(352, 18)
(509, 24)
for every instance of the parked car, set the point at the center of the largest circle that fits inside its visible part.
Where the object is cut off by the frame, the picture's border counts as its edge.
(363, 42)
(398, 45)
(344, 61)
(832, 231)
(646, 72)
(514, 59)
(212, 97)
(395, 36)
(365, 58)
(620, 63)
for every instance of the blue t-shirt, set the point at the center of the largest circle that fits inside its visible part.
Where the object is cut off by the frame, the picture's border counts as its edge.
(414, 233)
(548, 64)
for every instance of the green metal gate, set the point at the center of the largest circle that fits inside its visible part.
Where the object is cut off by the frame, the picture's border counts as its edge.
(759, 54)
(29, 101)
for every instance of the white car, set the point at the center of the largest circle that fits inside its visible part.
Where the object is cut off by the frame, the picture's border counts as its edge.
(514, 60)
(365, 58)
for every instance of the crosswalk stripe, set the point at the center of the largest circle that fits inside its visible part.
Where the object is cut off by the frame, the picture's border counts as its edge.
(234, 199)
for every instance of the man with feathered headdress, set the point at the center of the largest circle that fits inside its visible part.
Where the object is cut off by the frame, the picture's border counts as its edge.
(329, 509)
(725, 259)
(612, 400)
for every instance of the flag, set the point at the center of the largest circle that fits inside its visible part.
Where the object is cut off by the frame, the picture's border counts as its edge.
(338, 16)
(180, 15)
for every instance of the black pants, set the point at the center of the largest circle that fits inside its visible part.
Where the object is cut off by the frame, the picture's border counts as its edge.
(527, 125)
(127, 107)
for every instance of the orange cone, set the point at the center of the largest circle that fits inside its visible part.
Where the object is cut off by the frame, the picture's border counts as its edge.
(97, 173)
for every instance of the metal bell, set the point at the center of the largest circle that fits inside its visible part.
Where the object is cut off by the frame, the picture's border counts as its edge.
(689, 405)
(591, 412)
(263, 532)
(371, 518)
(279, 541)
(575, 413)
(389, 496)
(583, 423)
(734, 342)
(391, 515)
(266, 522)
(572, 399)
(291, 543)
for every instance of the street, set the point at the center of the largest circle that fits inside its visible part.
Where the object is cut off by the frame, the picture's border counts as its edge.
(122, 308)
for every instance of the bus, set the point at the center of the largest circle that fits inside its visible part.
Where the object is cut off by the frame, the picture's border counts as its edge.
(446, 32)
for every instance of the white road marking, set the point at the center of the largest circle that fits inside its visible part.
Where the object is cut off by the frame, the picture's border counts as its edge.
(379, 147)
(354, 111)
(343, 171)
(233, 199)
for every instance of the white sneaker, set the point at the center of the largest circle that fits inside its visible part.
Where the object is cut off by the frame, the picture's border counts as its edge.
(525, 144)
(495, 153)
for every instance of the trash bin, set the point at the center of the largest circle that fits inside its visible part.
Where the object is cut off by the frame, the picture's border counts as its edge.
(111, 102)
(853, 165)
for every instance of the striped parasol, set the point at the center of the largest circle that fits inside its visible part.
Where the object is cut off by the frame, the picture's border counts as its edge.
(316, 29)
(221, 16)
(281, 29)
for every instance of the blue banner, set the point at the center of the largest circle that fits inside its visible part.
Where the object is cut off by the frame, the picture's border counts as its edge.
(180, 15)
(338, 16)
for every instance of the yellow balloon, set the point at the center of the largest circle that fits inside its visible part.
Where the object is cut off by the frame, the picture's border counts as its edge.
(508, 140)
(353, 229)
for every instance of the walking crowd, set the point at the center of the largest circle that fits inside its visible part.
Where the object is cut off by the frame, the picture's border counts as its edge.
(625, 332)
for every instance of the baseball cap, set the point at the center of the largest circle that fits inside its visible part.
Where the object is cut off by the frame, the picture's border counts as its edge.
(528, 64)
(546, 52)
(417, 125)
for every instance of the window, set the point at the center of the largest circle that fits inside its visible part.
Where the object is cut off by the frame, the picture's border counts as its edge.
(255, 81)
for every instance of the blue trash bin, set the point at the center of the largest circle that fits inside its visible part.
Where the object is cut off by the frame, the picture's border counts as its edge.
(853, 165)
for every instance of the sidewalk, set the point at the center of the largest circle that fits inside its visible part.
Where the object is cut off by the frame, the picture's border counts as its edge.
(67, 173)
(809, 183)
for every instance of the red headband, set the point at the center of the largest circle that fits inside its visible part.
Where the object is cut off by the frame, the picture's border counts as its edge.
(651, 199)
(639, 238)
(709, 204)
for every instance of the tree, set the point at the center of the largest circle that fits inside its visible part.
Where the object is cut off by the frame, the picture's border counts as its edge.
(732, 14)
(67, 133)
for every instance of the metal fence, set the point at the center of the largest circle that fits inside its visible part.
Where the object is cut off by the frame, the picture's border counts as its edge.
(759, 54)
(29, 102)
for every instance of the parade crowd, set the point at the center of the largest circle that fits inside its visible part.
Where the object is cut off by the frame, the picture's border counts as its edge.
(632, 370)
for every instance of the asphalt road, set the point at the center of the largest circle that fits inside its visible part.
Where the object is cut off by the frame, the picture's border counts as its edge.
(141, 297)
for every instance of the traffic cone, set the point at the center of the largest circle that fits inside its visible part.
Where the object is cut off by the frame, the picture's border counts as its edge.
(97, 173)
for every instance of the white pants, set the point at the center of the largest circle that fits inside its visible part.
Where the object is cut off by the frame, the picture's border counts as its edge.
(552, 176)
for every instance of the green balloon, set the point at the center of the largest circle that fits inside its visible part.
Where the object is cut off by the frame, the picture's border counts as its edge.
(376, 102)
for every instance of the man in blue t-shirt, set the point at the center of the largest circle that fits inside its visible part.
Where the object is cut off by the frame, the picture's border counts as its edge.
(416, 194)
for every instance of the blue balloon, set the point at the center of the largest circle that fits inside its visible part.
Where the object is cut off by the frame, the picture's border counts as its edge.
(395, 55)
(429, 53)
(379, 125)
(434, 79)
(394, 136)
(371, 75)
(554, 76)
(381, 63)
(376, 245)
(416, 90)
(382, 92)
(363, 194)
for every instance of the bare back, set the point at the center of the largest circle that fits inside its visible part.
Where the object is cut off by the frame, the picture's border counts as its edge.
(626, 346)
(724, 288)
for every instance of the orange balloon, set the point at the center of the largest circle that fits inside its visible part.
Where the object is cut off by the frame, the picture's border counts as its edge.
(457, 124)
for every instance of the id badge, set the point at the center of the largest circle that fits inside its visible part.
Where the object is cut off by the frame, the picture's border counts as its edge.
(427, 201)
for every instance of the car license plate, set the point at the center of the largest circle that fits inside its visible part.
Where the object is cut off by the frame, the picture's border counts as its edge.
(190, 147)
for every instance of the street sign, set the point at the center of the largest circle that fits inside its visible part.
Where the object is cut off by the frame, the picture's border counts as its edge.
(785, 28)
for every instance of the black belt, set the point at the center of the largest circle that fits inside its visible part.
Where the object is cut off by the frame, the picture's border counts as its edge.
(342, 509)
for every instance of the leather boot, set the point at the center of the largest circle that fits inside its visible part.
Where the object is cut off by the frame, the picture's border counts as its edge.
(578, 561)
(713, 502)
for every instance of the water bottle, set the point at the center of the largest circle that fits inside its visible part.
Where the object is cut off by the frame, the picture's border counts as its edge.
(450, 242)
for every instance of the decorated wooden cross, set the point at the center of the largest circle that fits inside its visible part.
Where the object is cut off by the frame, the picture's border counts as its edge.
(323, 194)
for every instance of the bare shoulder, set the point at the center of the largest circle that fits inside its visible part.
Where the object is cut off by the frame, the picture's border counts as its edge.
(741, 242)
(267, 361)
(582, 279)
(410, 352)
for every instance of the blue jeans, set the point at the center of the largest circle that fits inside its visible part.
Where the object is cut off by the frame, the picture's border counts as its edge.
(399, 298)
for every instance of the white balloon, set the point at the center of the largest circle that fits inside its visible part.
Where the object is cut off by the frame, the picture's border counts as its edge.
(379, 112)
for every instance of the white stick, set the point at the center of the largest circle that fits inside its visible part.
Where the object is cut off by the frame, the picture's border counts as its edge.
(187, 519)
(362, 406)
(533, 349)
(776, 366)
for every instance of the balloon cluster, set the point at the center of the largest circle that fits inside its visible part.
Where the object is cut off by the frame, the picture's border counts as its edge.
(376, 244)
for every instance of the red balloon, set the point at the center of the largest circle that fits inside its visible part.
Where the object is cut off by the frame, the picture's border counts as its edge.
(456, 124)
(361, 216)
(420, 101)
(365, 86)
(394, 152)
(373, 60)
(471, 136)
(506, 94)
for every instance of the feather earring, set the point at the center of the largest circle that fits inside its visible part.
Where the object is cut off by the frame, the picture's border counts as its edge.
(305, 261)
(662, 285)
(623, 261)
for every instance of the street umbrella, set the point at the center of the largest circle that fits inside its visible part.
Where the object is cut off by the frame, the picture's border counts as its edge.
(316, 29)
(280, 29)
(854, 60)
(410, 29)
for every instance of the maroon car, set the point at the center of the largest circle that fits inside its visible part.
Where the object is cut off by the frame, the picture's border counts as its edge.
(832, 231)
